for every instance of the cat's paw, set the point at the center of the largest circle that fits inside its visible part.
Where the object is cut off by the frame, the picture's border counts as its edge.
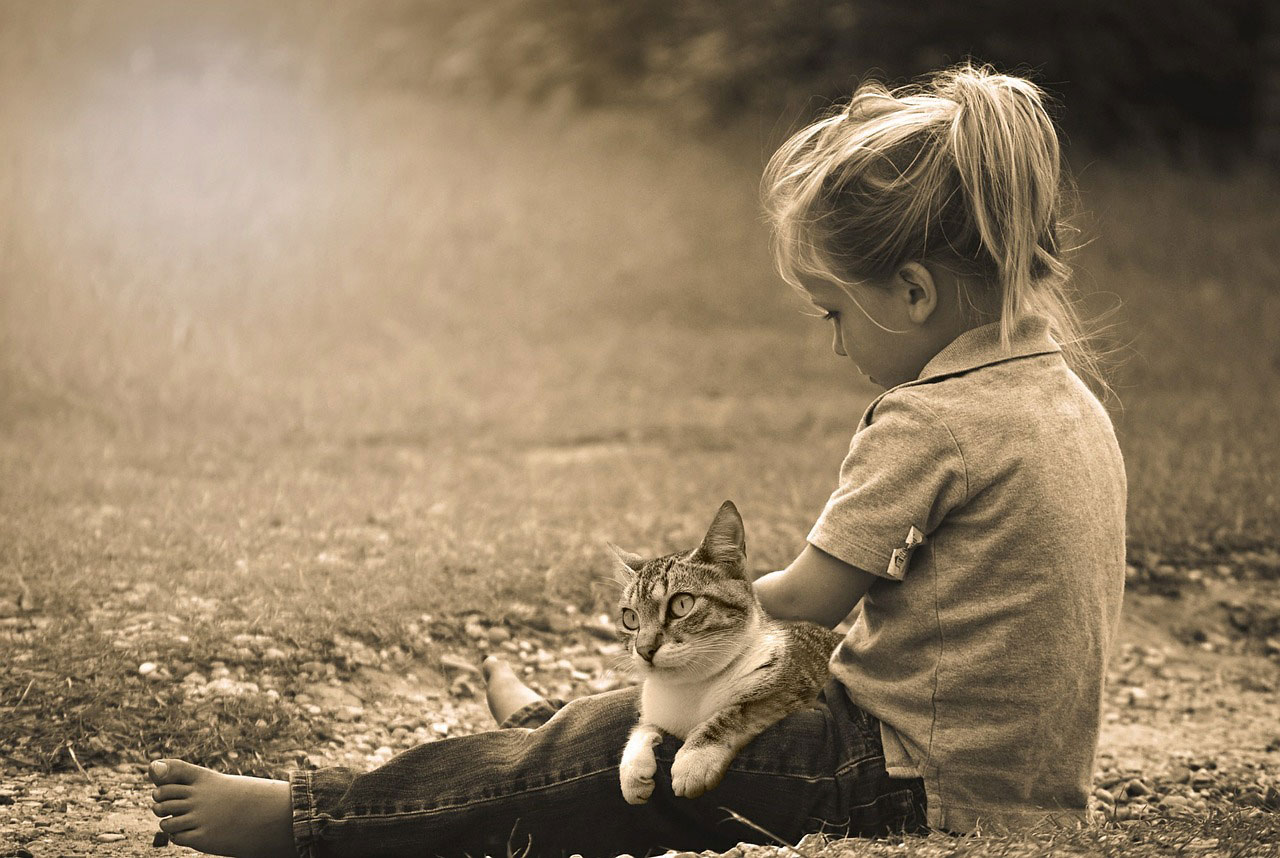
(637, 779)
(637, 768)
(696, 770)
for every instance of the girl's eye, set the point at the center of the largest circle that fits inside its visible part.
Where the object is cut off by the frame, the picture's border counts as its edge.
(680, 604)
(630, 620)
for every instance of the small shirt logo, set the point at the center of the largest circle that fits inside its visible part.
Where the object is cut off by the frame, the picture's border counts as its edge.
(898, 560)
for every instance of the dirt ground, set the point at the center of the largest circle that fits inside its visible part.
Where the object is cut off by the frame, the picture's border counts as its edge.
(1190, 722)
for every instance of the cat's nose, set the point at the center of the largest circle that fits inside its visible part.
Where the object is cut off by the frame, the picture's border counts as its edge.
(646, 649)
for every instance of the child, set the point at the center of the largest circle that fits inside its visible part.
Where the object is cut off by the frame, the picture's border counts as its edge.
(978, 529)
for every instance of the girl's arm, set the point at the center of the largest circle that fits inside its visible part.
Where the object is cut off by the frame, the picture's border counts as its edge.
(815, 587)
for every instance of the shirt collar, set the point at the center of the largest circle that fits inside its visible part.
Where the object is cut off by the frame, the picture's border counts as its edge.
(981, 346)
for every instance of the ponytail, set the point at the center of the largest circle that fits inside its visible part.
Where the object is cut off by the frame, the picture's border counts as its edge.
(964, 170)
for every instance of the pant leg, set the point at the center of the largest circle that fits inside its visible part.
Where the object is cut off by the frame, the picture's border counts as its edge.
(535, 714)
(554, 790)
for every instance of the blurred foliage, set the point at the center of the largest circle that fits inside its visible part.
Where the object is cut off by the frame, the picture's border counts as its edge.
(1184, 74)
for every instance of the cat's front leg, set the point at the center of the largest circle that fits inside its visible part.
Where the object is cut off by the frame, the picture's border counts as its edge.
(638, 763)
(699, 768)
(701, 763)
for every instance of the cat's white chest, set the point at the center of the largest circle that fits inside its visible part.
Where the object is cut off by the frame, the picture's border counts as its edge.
(677, 708)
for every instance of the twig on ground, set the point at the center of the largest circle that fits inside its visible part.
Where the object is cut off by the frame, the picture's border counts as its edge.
(25, 691)
(74, 759)
(766, 832)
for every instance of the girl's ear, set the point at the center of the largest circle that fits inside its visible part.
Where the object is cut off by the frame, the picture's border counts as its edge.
(628, 564)
(916, 286)
(726, 539)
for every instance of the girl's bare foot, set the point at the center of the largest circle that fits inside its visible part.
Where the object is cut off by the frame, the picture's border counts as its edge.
(504, 690)
(222, 814)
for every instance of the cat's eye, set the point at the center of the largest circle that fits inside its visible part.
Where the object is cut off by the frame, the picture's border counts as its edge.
(680, 604)
(630, 619)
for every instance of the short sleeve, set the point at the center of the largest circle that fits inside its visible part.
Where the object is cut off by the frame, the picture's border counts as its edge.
(903, 474)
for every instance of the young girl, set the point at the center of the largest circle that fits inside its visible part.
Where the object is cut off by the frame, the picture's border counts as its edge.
(977, 528)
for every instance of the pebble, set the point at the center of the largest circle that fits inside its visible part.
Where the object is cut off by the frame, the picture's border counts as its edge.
(147, 668)
(1136, 787)
(110, 837)
(457, 662)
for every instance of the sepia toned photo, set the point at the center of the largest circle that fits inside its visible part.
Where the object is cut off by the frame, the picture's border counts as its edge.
(585, 429)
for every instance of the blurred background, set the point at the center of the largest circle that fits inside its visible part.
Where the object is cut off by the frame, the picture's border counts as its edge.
(496, 273)
(337, 338)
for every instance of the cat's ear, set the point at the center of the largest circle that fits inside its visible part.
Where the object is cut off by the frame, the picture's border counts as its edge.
(726, 539)
(628, 564)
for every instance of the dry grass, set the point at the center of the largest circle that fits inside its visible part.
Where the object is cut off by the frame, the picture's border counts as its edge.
(335, 360)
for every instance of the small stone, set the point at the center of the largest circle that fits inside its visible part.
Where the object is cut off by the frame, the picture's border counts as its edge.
(498, 636)
(475, 631)
(1174, 802)
(1202, 779)
(556, 624)
(110, 837)
(147, 668)
(457, 662)
(440, 728)
(604, 631)
(1180, 775)
(1104, 796)
(1138, 697)
(1136, 787)
(271, 653)
(816, 842)
(161, 839)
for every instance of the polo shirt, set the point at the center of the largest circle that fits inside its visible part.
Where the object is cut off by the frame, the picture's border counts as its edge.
(988, 497)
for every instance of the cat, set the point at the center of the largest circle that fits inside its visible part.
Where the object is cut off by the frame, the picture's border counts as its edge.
(717, 670)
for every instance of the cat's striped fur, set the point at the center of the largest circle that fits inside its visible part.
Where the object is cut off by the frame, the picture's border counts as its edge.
(717, 670)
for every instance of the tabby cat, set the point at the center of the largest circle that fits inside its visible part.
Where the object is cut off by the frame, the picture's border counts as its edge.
(717, 670)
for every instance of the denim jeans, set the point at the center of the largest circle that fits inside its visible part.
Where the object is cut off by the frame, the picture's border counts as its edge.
(548, 783)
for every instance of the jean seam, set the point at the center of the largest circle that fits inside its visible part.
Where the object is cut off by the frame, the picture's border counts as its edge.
(304, 813)
(428, 811)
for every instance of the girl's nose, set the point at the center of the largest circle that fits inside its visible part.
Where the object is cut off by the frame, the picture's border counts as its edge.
(837, 345)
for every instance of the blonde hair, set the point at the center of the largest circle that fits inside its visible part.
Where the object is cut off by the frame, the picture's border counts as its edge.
(963, 171)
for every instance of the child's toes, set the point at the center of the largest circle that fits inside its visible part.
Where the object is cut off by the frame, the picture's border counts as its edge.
(174, 824)
(173, 772)
(171, 808)
(168, 792)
